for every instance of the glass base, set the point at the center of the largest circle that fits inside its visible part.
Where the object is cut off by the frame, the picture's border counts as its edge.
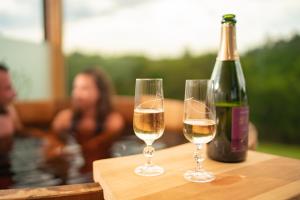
(152, 170)
(199, 177)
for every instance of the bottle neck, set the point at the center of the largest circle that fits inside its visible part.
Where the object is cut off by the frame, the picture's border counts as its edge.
(228, 49)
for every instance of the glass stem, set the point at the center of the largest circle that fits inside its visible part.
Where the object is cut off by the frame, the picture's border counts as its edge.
(198, 157)
(148, 153)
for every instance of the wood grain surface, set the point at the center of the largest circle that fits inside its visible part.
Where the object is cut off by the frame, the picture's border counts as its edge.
(262, 176)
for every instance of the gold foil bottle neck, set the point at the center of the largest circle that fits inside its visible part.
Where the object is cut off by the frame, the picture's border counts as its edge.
(228, 49)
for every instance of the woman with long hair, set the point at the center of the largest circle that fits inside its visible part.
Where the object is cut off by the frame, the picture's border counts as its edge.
(91, 118)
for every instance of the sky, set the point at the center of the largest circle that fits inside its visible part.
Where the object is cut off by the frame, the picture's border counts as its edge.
(156, 28)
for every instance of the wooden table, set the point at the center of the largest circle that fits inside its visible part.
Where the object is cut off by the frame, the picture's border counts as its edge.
(262, 176)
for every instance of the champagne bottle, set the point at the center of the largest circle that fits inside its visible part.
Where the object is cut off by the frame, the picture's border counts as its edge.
(231, 141)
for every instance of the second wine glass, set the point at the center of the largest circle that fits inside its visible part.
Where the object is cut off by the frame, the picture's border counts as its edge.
(199, 124)
(148, 120)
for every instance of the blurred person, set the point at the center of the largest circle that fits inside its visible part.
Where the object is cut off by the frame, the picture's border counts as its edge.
(9, 125)
(91, 118)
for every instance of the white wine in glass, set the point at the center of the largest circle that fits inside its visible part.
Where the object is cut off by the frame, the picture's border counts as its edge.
(148, 124)
(148, 120)
(199, 124)
(199, 131)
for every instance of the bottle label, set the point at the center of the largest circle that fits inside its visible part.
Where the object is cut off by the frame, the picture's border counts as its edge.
(239, 131)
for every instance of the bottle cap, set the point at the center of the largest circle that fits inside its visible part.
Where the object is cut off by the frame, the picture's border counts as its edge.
(228, 18)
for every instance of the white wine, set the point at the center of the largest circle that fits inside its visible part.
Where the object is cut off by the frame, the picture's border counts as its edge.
(199, 131)
(148, 124)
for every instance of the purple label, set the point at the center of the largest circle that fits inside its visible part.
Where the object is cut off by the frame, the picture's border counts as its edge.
(239, 131)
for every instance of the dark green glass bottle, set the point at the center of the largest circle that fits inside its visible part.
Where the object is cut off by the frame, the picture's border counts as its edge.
(231, 141)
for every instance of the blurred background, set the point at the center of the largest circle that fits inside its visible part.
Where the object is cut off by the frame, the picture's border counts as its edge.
(45, 45)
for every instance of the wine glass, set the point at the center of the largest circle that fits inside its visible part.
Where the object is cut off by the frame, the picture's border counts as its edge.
(199, 124)
(148, 120)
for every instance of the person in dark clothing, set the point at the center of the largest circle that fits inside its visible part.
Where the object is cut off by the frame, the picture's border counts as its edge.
(9, 125)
